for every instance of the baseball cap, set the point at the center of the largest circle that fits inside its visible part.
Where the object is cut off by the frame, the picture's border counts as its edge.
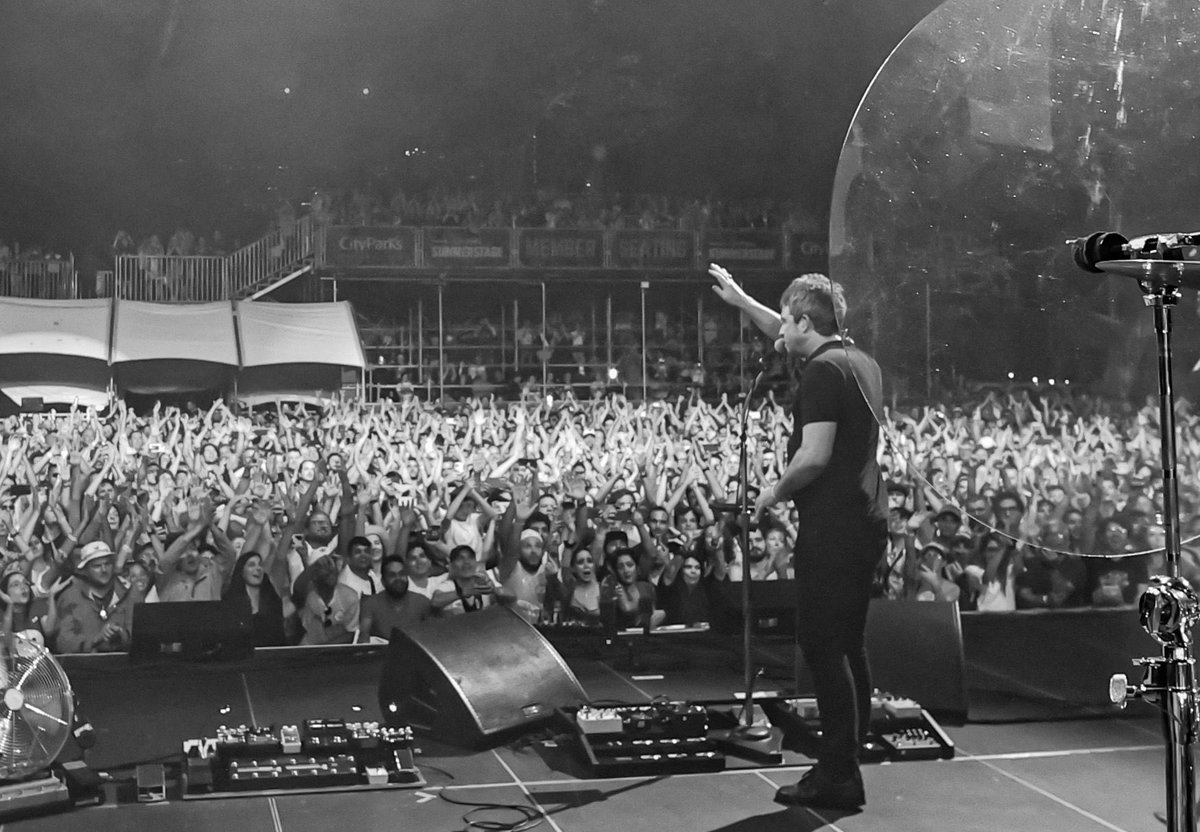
(94, 551)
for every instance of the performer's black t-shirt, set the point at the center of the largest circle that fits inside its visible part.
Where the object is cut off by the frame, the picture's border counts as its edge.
(841, 384)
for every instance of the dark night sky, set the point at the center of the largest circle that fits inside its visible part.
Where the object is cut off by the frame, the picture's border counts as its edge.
(144, 114)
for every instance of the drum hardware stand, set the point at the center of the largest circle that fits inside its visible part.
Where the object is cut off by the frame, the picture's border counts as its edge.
(1169, 608)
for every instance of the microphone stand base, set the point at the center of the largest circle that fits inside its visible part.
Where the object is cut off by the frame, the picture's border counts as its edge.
(745, 742)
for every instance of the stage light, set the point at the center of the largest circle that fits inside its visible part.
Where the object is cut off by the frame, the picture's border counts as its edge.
(1011, 376)
(287, 90)
(366, 90)
(1035, 381)
(1050, 381)
(612, 373)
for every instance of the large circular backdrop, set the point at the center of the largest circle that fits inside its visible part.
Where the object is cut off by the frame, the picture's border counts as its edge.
(995, 132)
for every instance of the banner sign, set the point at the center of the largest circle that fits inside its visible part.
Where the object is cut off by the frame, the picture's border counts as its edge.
(370, 247)
(763, 249)
(653, 249)
(549, 247)
(462, 247)
(809, 253)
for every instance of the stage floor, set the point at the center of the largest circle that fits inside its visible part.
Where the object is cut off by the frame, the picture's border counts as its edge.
(1063, 775)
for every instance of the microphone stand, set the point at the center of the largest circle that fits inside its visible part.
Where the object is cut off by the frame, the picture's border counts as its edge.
(755, 742)
(1169, 608)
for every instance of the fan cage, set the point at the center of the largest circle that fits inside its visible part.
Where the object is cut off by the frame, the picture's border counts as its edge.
(36, 707)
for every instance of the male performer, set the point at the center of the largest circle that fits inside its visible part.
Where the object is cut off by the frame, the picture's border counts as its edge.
(834, 478)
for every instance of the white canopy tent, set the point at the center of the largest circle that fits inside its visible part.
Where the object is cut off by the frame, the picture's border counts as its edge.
(292, 350)
(55, 350)
(65, 351)
(173, 348)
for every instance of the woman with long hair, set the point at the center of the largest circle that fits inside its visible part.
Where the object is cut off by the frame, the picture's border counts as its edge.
(685, 596)
(995, 580)
(21, 610)
(141, 581)
(579, 589)
(251, 593)
(631, 597)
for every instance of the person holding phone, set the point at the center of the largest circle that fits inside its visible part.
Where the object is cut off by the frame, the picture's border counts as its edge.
(471, 589)
(831, 474)
(620, 512)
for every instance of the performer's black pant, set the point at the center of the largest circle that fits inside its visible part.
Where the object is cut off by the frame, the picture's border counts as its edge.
(833, 581)
(842, 683)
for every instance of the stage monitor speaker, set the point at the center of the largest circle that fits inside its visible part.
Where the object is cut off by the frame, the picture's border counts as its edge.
(191, 631)
(772, 602)
(476, 679)
(916, 650)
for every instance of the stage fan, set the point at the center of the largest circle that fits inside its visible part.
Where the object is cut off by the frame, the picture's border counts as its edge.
(35, 707)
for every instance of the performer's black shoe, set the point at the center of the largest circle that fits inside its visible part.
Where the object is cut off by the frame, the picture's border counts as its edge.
(817, 790)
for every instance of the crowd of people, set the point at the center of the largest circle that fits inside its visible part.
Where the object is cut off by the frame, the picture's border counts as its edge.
(339, 524)
(382, 203)
(182, 242)
(477, 360)
(29, 271)
(13, 251)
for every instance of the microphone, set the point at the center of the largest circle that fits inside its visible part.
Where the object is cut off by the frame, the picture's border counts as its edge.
(1109, 245)
(780, 347)
(758, 380)
(761, 365)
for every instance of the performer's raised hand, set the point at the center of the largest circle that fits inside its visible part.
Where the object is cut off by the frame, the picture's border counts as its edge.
(726, 289)
(764, 318)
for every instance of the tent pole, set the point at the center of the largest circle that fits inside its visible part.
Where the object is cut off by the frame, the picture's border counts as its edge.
(441, 346)
(503, 333)
(545, 343)
(608, 336)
